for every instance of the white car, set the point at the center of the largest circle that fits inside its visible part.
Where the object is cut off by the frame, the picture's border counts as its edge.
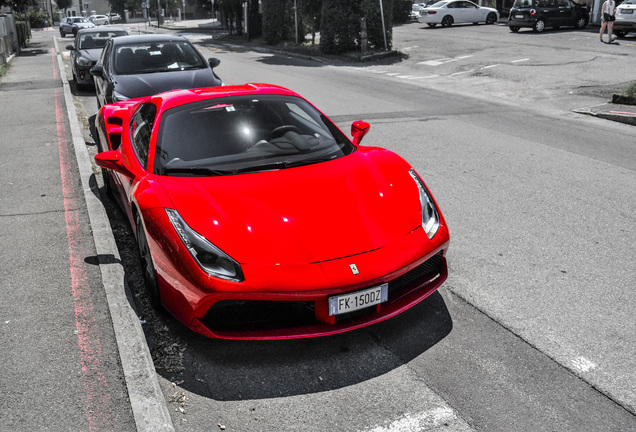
(99, 19)
(625, 18)
(452, 12)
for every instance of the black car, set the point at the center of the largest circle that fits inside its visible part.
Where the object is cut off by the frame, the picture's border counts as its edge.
(539, 14)
(144, 65)
(88, 46)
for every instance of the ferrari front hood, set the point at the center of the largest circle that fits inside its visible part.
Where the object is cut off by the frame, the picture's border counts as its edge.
(302, 215)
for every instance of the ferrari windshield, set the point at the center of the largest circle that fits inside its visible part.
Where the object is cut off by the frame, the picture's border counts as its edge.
(243, 134)
(151, 57)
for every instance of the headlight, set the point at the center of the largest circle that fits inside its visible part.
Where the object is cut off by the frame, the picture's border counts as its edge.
(118, 97)
(430, 215)
(83, 61)
(210, 258)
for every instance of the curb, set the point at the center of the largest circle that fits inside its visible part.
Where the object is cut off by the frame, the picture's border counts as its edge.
(619, 113)
(148, 404)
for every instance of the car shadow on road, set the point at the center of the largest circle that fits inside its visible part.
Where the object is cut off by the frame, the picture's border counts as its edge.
(236, 370)
(228, 370)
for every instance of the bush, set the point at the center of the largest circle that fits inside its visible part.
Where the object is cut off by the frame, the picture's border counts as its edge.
(371, 11)
(278, 23)
(340, 26)
(402, 11)
(38, 19)
(24, 32)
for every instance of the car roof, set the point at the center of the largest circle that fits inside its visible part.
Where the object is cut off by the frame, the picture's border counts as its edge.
(102, 29)
(123, 40)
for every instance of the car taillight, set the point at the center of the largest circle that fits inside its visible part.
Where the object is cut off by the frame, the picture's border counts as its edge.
(533, 12)
(432, 12)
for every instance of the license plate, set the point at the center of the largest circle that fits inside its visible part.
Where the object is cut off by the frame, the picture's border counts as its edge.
(358, 300)
(518, 16)
(627, 11)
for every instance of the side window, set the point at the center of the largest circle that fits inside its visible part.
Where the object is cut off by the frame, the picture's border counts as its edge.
(141, 130)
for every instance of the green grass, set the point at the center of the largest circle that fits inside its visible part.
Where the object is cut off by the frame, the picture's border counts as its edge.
(631, 90)
(4, 69)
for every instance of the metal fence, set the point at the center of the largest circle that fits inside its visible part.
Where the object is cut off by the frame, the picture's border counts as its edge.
(8, 38)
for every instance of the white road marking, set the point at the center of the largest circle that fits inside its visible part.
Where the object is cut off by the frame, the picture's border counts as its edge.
(520, 60)
(583, 365)
(427, 420)
(490, 66)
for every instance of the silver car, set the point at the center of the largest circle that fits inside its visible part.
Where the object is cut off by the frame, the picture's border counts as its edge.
(71, 25)
(625, 18)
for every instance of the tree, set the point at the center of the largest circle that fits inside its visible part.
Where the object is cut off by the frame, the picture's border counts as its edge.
(64, 4)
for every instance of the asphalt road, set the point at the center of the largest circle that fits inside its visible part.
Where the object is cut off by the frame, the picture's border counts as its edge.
(533, 329)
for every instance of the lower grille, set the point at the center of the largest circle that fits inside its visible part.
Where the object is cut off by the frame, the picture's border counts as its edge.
(255, 315)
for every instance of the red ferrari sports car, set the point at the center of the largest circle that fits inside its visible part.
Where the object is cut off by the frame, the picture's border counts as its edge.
(257, 218)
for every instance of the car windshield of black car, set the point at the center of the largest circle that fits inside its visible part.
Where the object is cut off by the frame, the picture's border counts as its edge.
(242, 134)
(156, 57)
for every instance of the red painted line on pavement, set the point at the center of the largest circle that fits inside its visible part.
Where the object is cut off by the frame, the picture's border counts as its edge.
(98, 404)
(623, 112)
(55, 75)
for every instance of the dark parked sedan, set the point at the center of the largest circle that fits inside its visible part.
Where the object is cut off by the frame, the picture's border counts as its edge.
(88, 46)
(539, 14)
(144, 65)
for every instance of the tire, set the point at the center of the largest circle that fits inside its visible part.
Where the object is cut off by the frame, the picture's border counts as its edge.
(620, 33)
(539, 26)
(62, 33)
(581, 23)
(431, 24)
(447, 21)
(147, 267)
(514, 29)
(491, 18)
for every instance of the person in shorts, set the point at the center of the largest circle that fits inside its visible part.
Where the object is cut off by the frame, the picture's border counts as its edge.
(608, 15)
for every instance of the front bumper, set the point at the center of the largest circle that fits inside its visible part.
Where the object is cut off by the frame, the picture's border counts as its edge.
(83, 75)
(291, 301)
(625, 25)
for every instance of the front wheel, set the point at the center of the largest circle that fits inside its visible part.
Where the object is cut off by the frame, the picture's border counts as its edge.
(147, 267)
(62, 33)
(514, 29)
(491, 18)
(447, 21)
(539, 26)
(581, 23)
(620, 33)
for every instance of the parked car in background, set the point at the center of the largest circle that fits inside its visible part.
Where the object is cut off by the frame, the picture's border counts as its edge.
(114, 17)
(415, 11)
(540, 14)
(71, 25)
(257, 218)
(452, 12)
(99, 20)
(87, 49)
(144, 65)
(625, 18)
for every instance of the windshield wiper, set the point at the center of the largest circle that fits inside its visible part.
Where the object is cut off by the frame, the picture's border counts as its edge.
(197, 171)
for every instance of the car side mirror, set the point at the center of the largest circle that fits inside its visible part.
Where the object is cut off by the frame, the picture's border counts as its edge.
(359, 129)
(214, 62)
(112, 160)
(70, 47)
(97, 71)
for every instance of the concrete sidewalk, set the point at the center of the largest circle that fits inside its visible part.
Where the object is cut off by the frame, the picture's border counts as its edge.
(73, 353)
